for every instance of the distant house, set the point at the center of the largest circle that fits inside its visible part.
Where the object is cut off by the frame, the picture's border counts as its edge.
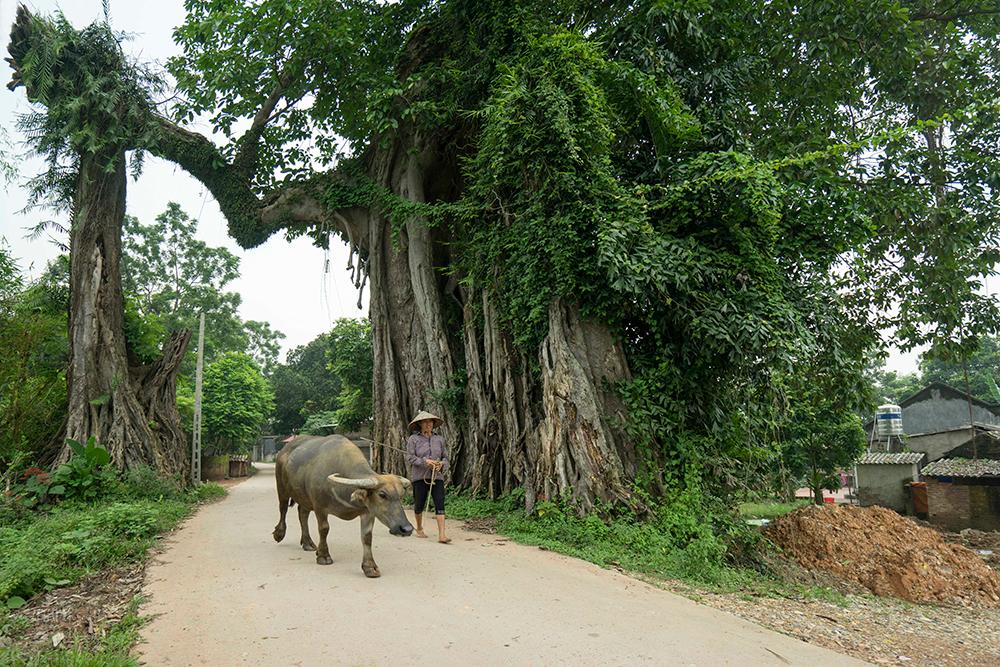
(882, 478)
(939, 408)
(964, 493)
(936, 423)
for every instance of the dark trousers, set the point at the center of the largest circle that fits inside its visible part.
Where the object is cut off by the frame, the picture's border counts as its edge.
(420, 489)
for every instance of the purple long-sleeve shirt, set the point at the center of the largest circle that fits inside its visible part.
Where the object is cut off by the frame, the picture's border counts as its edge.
(419, 449)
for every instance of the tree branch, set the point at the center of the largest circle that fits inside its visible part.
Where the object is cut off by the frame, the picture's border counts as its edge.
(253, 219)
(246, 156)
(949, 16)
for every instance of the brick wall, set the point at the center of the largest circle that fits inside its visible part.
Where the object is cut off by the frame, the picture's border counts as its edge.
(984, 505)
(948, 504)
(958, 506)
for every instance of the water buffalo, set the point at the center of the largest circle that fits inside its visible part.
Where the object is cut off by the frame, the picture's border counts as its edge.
(329, 475)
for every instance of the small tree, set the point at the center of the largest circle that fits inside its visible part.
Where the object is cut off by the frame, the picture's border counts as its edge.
(33, 353)
(822, 440)
(352, 362)
(237, 403)
(304, 386)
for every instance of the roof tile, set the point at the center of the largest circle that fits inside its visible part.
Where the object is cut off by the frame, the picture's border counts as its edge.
(962, 468)
(891, 458)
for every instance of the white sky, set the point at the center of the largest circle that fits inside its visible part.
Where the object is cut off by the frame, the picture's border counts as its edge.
(281, 283)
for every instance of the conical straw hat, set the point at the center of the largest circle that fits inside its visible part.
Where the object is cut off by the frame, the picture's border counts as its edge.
(422, 415)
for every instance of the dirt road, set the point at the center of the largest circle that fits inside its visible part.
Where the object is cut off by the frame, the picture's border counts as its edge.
(225, 594)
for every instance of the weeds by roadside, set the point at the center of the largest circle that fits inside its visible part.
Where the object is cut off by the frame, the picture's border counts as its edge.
(51, 537)
(769, 510)
(649, 548)
(113, 650)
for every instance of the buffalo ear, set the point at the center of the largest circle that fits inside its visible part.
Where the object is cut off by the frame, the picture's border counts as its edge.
(360, 495)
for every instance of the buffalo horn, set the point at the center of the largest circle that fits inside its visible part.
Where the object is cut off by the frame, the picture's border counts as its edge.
(406, 482)
(363, 483)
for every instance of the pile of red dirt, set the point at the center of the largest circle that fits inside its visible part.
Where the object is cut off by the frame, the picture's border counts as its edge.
(886, 553)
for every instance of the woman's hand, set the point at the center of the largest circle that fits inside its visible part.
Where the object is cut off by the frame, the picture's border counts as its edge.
(434, 464)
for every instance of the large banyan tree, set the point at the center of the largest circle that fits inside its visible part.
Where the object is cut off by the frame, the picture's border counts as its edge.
(604, 240)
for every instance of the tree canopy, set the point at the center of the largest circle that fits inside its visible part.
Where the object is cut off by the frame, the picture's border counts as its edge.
(611, 242)
(170, 277)
(237, 404)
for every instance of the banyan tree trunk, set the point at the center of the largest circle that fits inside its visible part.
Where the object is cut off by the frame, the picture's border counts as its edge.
(554, 433)
(130, 409)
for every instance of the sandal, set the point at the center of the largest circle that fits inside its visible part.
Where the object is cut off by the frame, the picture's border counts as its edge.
(420, 533)
(446, 540)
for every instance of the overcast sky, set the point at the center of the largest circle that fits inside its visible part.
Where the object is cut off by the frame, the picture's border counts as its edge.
(283, 283)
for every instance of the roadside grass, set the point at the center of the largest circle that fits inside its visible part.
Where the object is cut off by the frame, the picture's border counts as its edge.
(649, 549)
(58, 545)
(113, 650)
(769, 510)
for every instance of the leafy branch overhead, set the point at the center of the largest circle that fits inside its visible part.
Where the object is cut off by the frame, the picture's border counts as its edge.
(669, 225)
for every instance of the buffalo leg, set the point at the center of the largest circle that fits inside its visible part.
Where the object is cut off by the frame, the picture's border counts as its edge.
(368, 565)
(323, 552)
(306, 541)
(279, 530)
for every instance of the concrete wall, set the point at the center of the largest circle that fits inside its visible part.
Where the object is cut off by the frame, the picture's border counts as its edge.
(883, 485)
(956, 506)
(939, 413)
(936, 445)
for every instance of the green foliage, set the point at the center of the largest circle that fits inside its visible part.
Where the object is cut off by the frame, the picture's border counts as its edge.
(320, 423)
(769, 510)
(822, 438)
(79, 539)
(65, 658)
(892, 387)
(85, 476)
(33, 357)
(982, 366)
(145, 483)
(304, 386)
(673, 543)
(8, 170)
(97, 101)
(171, 277)
(91, 532)
(351, 360)
(328, 381)
(237, 402)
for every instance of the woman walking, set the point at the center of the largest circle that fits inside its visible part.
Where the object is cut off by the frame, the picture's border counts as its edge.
(428, 463)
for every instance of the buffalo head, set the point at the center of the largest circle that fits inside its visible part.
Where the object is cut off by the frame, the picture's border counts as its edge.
(382, 496)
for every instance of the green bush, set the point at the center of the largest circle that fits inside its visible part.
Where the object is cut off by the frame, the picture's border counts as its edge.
(674, 542)
(145, 483)
(208, 492)
(84, 476)
(75, 539)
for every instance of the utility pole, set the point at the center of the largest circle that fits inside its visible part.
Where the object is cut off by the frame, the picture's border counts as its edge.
(196, 423)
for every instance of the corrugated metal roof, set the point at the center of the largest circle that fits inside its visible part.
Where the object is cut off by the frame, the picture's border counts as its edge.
(890, 458)
(963, 468)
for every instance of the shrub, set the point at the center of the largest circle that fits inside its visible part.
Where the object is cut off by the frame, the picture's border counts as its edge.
(84, 476)
(145, 483)
(65, 544)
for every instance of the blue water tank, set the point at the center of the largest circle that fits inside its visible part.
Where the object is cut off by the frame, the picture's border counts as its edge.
(889, 420)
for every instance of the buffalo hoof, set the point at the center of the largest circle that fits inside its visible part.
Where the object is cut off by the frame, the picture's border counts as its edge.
(308, 546)
(279, 533)
(323, 560)
(371, 571)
